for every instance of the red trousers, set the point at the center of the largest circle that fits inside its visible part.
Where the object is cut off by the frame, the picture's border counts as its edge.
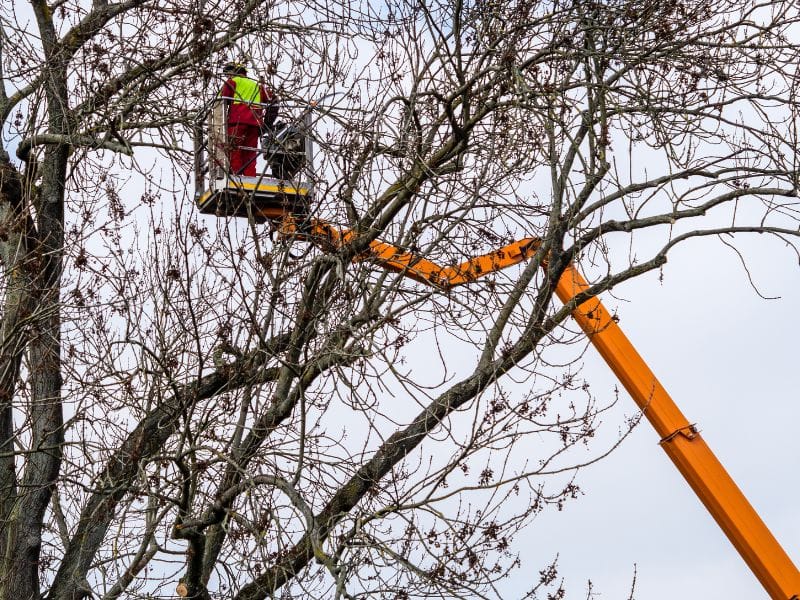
(243, 161)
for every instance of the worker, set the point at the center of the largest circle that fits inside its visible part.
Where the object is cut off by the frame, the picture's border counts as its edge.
(251, 108)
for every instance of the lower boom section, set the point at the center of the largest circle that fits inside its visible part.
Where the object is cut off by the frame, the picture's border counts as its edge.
(687, 450)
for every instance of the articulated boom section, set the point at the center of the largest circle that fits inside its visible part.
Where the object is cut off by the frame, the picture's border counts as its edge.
(410, 265)
(678, 437)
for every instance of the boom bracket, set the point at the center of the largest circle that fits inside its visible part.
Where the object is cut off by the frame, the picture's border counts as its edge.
(688, 431)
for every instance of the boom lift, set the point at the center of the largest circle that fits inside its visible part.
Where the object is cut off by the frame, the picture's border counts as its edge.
(286, 202)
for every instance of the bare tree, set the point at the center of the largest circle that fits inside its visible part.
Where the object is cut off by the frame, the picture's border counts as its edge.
(197, 404)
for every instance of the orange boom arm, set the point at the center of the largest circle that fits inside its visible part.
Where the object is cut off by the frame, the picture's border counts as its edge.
(679, 438)
(684, 446)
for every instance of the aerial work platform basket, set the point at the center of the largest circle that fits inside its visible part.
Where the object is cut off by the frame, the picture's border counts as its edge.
(283, 183)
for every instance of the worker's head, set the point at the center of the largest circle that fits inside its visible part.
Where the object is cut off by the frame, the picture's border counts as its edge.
(234, 68)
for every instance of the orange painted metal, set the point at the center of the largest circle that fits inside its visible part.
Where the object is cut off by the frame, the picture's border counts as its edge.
(679, 438)
(413, 266)
(685, 447)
